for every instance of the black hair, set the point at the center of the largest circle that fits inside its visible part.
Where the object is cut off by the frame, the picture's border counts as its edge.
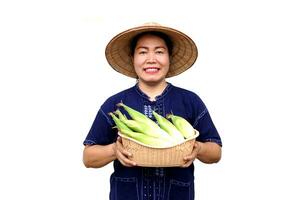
(161, 35)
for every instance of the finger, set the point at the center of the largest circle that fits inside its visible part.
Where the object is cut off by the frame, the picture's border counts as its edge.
(119, 139)
(124, 158)
(125, 152)
(126, 162)
(189, 157)
(121, 148)
(130, 163)
(194, 152)
(122, 162)
(187, 164)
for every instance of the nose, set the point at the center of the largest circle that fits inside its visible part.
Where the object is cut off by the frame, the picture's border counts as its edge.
(151, 58)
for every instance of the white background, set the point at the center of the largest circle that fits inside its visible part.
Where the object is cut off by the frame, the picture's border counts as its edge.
(54, 77)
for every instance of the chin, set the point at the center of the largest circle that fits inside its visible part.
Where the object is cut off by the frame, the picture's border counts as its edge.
(153, 81)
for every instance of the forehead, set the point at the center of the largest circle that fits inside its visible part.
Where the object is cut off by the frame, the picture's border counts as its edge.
(152, 40)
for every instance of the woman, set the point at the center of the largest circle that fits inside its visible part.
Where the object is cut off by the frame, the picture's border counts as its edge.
(151, 53)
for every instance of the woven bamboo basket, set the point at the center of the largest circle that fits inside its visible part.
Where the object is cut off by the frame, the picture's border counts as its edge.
(147, 156)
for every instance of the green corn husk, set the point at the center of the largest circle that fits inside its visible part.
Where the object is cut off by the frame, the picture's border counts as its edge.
(120, 115)
(168, 127)
(137, 116)
(145, 124)
(120, 125)
(185, 128)
(139, 127)
(148, 130)
(145, 139)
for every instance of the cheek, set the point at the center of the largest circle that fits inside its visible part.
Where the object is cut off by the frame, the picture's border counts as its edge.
(136, 61)
(137, 66)
(166, 69)
(137, 70)
(167, 64)
(166, 60)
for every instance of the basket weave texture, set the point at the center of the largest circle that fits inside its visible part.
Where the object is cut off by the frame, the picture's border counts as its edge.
(148, 156)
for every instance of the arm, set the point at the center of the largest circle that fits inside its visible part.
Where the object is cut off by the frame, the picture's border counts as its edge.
(207, 152)
(96, 156)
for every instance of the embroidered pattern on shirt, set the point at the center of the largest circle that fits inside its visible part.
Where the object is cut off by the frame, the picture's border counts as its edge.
(148, 111)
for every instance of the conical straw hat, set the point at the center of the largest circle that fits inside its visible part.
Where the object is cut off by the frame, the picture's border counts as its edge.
(184, 52)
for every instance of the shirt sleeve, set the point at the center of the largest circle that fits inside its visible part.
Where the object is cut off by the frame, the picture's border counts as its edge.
(102, 131)
(207, 129)
(204, 124)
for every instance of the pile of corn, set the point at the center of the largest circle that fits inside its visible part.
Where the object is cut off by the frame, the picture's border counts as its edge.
(164, 133)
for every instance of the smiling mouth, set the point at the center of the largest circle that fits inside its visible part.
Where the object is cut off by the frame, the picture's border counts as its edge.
(151, 69)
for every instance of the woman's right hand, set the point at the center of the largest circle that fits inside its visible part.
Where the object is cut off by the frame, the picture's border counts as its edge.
(122, 155)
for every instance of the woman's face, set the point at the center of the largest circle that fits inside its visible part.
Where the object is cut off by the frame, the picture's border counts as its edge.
(151, 59)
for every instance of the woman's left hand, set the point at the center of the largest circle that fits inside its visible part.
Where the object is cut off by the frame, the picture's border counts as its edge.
(188, 160)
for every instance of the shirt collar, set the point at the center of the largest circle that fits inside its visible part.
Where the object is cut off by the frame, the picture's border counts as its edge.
(141, 93)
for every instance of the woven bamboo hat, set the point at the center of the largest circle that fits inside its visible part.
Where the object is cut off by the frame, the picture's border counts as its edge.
(184, 52)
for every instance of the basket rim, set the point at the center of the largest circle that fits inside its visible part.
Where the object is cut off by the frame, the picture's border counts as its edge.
(146, 145)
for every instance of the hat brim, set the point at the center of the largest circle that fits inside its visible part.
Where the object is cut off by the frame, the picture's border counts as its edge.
(184, 53)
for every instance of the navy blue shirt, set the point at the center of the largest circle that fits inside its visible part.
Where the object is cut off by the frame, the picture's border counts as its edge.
(145, 183)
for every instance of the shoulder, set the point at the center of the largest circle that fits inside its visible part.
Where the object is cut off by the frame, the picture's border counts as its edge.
(186, 94)
(112, 101)
(190, 99)
(120, 95)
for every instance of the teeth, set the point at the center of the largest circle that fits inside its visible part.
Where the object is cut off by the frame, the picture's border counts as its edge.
(151, 70)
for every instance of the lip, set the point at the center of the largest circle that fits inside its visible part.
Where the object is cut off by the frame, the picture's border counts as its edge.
(151, 70)
(146, 68)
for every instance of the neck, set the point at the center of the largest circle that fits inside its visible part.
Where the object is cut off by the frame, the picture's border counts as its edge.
(152, 90)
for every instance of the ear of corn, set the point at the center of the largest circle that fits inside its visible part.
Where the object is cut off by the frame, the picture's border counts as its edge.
(135, 126)
(120, 115)
(168, 127)
(144, 130)
(185, 128)
(137, 116)
(144, 124)
(148, 130)
(120, 125)
(146, 139)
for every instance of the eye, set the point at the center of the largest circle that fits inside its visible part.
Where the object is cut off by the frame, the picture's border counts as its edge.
(142, 52)
(160, 52)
